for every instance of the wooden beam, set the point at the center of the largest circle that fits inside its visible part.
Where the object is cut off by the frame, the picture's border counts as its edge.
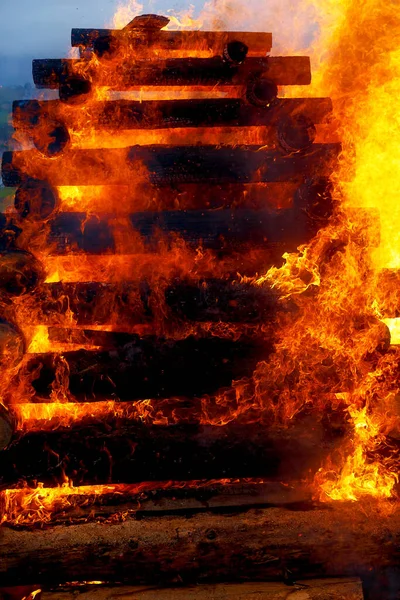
(340, 539)
(210, 300)
(223, 230)
(164, 166)
(322, 589)
(79, 504)
(281, 70)
(151, 114)
(122, 445)
(38, 201)
(148, 367)
(258, 43)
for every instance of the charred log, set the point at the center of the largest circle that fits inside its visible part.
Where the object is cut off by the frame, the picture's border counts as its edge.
(82, 503)
(282, 70)
(147, 367)
(123, 450)
(163, 166)
(20, 272)
(258, 544)
(211, 300)
(35, 200)
(12, 345)
(259, 44)
(127, 114)
(216, 230)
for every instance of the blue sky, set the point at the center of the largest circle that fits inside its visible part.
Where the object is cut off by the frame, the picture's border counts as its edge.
(41, 28)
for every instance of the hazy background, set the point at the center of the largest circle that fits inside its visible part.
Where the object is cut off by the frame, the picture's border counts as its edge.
(42, 28)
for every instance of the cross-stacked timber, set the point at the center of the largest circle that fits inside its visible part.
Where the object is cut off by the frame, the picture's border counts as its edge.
(189, 378)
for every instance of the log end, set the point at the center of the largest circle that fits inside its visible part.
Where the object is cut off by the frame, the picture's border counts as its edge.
(35, 200)
(6, 428)
(20, 272)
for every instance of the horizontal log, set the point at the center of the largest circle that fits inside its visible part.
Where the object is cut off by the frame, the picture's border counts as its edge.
(74, 504)
(147, 367)
(281, 70)
(259, 44)
(150, 114)
(215, 230)
(120, 449)
(163, 166)
(322, 589)
(122, 200)
(211, 300)
(259, 544)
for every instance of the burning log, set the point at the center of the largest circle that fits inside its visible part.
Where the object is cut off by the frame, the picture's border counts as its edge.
(211, 300)
(281, 70)
(12, 345)
(151, 114)
(107, 448)
(147, 367)
(257, 544)
(259, 44)
(163, 166)
(215, 230)
(100, 502)
(35, 200)
(20, 272)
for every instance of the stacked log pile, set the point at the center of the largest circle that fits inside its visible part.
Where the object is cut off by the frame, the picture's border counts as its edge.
(176, 340)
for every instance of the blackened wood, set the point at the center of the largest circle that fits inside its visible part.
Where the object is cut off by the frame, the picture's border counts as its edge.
(6, 428)
(314, 589)
(210, 41)
(113, 449)
(128, 114)
(163, 166)
(215, 230)
(260, 544)
(282, 70)
(12, 345)
(149, 367)
(20, 271)
(35, 200)
(211, 300)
